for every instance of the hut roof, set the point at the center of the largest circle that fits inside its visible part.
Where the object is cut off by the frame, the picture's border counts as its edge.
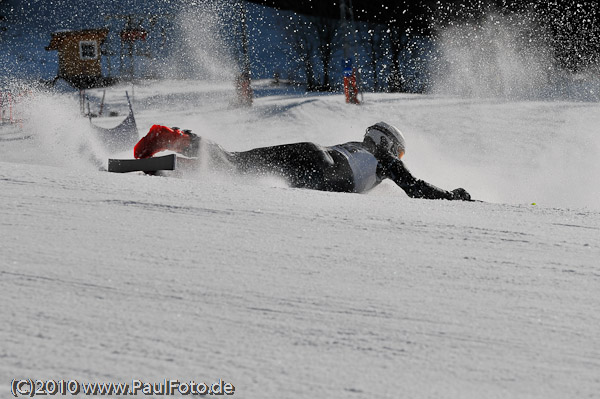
(60, 37)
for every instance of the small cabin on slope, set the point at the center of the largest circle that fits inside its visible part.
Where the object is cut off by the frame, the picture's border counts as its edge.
(79, 56)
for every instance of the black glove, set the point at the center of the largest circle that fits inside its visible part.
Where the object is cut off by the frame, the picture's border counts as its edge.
(460, 194)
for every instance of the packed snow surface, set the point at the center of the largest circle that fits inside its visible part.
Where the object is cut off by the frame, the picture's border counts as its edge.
(292, 293)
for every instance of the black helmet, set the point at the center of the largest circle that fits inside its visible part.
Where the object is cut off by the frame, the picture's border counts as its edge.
(386, 138)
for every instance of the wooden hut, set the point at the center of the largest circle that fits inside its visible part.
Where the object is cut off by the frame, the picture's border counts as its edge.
(79, 56)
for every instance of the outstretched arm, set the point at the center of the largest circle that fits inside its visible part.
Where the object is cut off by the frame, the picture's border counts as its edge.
(393, 168)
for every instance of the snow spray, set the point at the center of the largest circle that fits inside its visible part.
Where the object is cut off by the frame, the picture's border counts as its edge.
(505, 57)
(529, 127)
(201, 48)
(62, 136)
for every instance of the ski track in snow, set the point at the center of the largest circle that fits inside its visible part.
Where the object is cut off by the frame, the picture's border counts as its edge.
(293, 293)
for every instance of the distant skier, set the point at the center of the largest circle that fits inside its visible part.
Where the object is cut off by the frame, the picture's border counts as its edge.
(349, 167)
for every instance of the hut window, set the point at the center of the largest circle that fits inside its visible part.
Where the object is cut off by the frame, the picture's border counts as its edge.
(88, 50)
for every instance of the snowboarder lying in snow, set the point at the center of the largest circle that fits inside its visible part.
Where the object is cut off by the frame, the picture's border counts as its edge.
(349, 167)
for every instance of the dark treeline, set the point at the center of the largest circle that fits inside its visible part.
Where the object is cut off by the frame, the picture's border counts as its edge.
(394, 35)
(572, 28)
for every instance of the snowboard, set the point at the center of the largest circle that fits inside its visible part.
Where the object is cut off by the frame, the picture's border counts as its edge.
(162, 166)
(147, 165)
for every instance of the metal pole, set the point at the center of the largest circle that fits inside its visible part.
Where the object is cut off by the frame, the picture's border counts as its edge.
(343, 15)
(246, 57)
(243, 82)
(353, 27)
(351, 87)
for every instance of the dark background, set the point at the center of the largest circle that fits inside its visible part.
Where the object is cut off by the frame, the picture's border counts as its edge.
(572, 26)
(396, 40)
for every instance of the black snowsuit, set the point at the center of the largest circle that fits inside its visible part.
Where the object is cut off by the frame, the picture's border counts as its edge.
(349, 167)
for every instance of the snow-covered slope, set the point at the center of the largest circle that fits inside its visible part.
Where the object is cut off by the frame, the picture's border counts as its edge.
(294, 293)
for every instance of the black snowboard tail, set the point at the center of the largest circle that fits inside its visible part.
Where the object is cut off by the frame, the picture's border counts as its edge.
(147, 165)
